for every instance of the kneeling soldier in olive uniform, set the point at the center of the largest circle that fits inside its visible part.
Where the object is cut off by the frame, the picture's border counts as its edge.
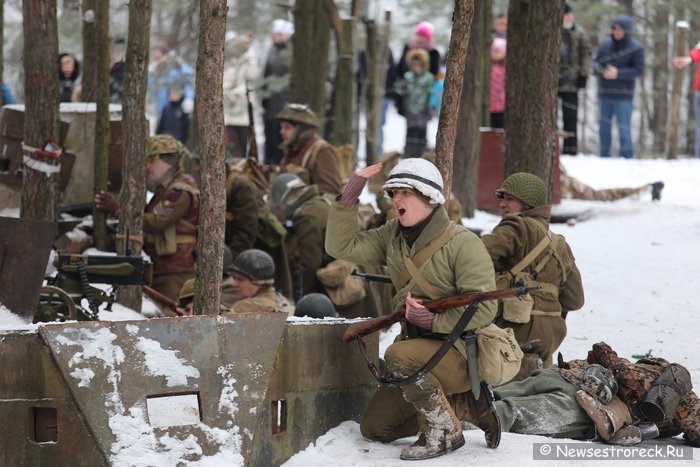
(440, 259)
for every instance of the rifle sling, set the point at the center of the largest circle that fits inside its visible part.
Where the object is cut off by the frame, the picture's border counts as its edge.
(455, 334)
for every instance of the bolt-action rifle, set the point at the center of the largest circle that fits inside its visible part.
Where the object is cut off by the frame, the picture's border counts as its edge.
(439, 305)
(165, 300)
(369, 277)
(252, 140)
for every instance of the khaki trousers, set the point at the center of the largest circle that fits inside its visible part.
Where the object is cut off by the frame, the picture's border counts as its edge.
(390, 414)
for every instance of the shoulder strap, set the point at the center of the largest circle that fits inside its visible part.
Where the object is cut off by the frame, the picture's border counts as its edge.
(310, 157)
(530, 257)
(425, 253)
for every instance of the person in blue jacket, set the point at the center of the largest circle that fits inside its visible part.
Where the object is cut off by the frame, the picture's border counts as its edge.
(618, 62)
(7, 95)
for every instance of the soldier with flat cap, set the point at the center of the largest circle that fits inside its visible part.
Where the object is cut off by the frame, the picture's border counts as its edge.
(306, 154)
(170, 217)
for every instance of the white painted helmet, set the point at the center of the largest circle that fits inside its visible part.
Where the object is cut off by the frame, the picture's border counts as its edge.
(419, 174)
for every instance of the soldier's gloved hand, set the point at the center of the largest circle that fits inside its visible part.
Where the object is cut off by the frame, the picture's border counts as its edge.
(107, 202)
(357, 183)
(417, 314)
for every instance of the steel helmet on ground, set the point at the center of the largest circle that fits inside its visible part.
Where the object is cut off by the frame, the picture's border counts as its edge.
(256, 265)
(527, 187)
(419, 174)
(315, 305)
(298, 114)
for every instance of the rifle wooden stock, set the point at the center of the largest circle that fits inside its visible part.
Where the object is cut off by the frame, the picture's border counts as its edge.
(439, 305)
(165, 300)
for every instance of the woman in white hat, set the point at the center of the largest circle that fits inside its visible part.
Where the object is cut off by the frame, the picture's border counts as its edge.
(457, 263)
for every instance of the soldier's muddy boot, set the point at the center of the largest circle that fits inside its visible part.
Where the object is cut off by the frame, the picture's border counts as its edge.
(443, 431)
(480, 413)
(656, 188)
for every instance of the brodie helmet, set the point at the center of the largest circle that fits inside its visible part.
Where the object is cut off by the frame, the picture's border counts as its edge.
(298, 114)
(315, 305)
(167, 148)
(418, 174)
(256, 265)
(527, 187)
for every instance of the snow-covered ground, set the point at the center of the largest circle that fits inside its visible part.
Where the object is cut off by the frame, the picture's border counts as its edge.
(641, 270)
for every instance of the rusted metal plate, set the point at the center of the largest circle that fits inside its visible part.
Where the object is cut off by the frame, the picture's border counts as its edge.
(25, 245)
(318, 382)
(114, 369)
(32, 392)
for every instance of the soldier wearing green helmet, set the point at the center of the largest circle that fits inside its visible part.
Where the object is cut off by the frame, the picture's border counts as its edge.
(170, 218)
(253, 273)
(523, 249)
(306, 154)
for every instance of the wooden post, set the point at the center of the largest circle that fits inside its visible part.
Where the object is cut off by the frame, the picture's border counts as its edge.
(135, 127)
(88, 80)
(40, 174)
(210, 109)
(372, 92)
(680, 40)
(470, 118)
(99, 218)
(310, 45)
(2, 45)
(377, 48)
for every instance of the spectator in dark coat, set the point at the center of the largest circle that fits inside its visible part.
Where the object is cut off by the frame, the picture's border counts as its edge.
(617, 64)
(173, 120)
(68, 73)
(274, 90)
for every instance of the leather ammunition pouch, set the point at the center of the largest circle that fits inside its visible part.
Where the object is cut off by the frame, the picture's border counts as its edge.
(607, 418)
